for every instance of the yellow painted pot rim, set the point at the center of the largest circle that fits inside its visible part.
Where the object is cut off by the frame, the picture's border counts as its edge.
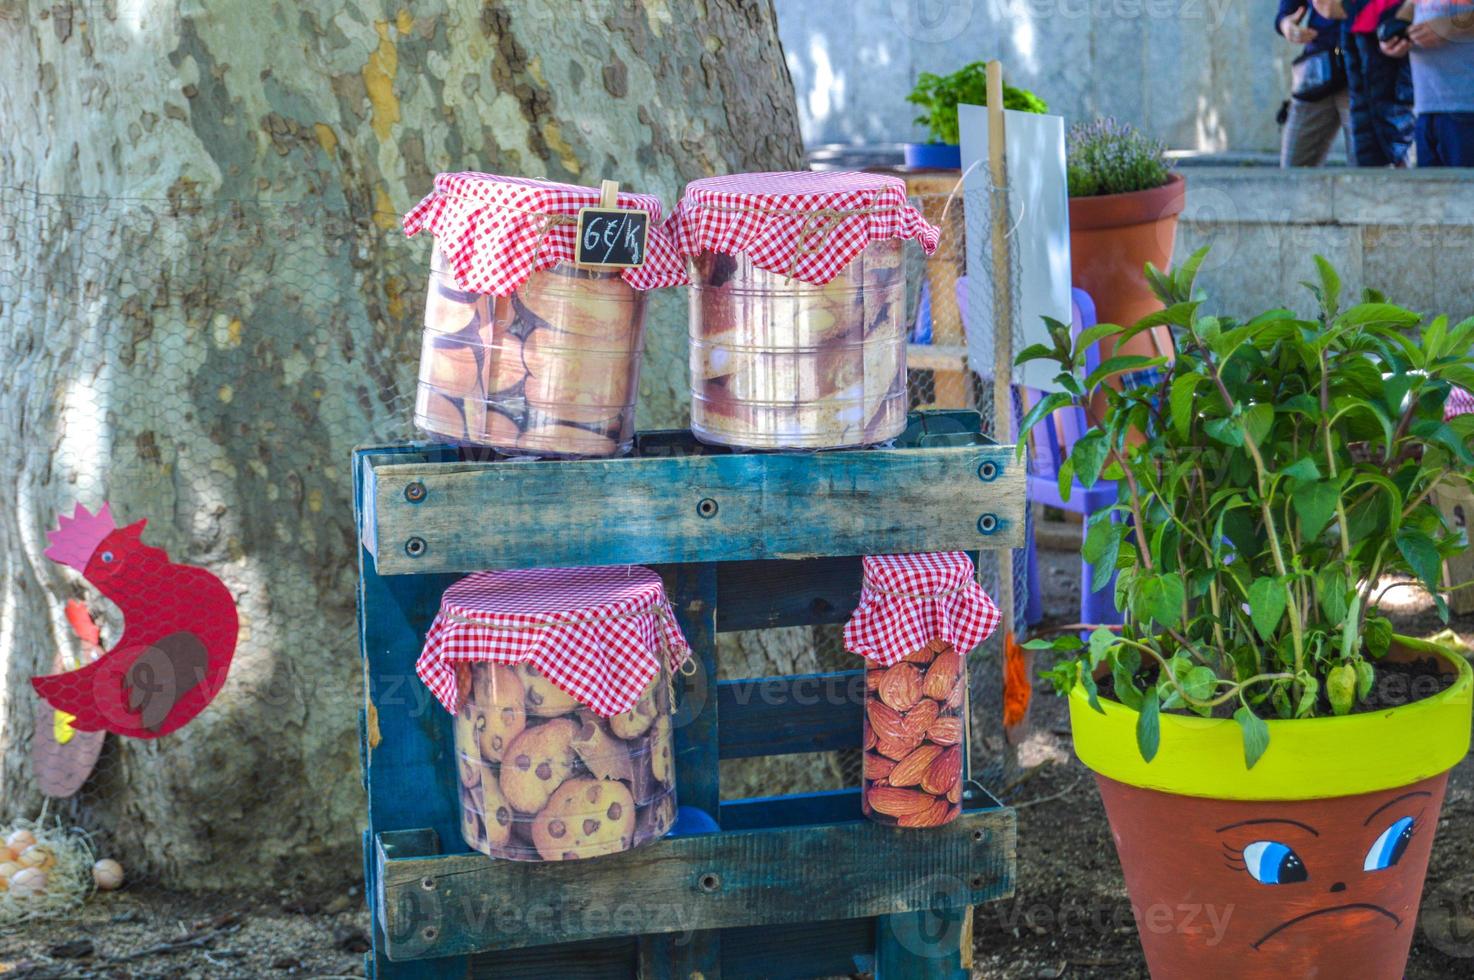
(1307, 759)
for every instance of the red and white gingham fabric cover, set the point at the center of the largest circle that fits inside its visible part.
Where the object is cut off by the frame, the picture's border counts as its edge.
(781, 221)
(495, 231)
(597, 633)
(1460, 402)
(908, 600)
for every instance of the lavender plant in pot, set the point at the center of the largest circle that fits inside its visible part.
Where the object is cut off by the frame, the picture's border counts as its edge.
(1124, 202)
(1271, 757)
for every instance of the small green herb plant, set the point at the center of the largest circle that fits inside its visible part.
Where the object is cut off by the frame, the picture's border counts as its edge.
(939, 96)
(1277, 470)
(1110, 157)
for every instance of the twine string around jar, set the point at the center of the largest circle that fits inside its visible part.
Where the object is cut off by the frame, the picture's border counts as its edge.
(820, 222)
(687, 667)
(918, 595)
(550, 220)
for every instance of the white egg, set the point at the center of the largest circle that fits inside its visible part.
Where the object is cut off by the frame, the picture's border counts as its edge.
(28, 883)
(107, 874)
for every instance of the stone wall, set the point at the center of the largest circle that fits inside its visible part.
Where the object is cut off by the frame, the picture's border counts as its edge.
(1201, 74)
(1408, 234)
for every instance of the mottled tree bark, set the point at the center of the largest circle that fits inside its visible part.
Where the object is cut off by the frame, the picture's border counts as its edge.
(205, 303)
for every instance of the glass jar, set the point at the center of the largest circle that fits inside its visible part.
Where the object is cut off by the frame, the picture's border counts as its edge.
(781, 364)
(543, 778)
(551, 370)
(915, 733)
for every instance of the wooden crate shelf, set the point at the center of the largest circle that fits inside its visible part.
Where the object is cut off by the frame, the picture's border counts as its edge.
(787, 886)
(432, 904)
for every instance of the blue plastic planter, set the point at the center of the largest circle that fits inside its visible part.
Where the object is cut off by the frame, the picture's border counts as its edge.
(933, 156)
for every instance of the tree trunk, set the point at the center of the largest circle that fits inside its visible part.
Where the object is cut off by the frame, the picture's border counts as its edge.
(206, 302)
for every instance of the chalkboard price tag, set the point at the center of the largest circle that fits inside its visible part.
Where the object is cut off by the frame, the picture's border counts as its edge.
(610, 237)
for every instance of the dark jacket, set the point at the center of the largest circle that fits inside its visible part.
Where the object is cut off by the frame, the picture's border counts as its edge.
(1327, 32)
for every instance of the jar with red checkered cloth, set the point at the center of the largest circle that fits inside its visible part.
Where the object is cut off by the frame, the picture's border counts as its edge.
(524, 351)
(798, 296)
(560, 682)
(918, 618)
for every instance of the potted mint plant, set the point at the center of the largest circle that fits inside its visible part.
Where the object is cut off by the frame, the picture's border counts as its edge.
(1270, 755)
(939, 95)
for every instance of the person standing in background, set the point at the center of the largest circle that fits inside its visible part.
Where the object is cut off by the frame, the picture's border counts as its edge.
(1381, 87)
(1313, 117)
(1440, 46)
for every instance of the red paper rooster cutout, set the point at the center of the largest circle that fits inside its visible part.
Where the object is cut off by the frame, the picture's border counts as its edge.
(179, 633)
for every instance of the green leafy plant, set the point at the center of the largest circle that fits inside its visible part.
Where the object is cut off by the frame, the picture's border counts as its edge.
(939, 96)
(1109, 157)
(1279, 468)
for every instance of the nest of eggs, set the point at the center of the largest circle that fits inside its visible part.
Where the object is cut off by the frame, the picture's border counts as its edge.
(45, 869)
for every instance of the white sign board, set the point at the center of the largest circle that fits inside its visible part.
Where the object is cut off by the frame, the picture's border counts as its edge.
(1039, 227)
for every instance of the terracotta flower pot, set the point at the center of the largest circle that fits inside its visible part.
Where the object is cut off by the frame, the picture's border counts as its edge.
(1310, 864)
(1112, 238)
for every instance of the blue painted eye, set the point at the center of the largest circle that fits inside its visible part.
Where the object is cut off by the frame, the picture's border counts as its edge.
(1271, 863)
(107, 556)
(1388, 848)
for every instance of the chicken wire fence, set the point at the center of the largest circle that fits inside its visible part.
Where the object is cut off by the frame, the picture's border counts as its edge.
(208, 366)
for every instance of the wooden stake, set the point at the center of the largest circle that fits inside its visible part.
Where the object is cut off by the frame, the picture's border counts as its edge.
(608, 193)
(1002, 334)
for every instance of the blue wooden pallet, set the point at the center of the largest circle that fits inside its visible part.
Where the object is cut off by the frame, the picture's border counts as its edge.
(793, 886)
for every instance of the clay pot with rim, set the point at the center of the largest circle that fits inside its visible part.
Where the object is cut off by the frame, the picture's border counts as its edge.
(1309, 864)
(1112, 238)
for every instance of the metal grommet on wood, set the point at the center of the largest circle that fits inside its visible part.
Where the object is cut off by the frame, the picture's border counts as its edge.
(987, 471)
(707, 508)
(415, 492)
(709, 882)
(988, 523)
(415, 547)
(428, 884)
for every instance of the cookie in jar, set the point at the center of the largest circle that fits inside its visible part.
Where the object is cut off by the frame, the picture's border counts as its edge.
(555, 761)
(524, 350)
(797, 307)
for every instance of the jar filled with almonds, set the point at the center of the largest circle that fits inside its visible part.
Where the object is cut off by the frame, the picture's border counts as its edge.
(915, 737)
(917, 618)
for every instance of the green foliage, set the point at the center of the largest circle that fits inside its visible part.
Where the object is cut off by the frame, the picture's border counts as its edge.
(1107, 157)
(1277, 470)
(939, 96)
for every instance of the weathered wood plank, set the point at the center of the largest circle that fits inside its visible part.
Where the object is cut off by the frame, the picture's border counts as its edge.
(599, 959)
(466, 903)
(839, 948)
(693, 595)
(785, 715)
(921, 945)
(433, 517)
(756, 595)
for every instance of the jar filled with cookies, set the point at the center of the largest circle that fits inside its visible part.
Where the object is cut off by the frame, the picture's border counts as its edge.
(797, 307)
(525, 351)
(918, 618)
(563, 743)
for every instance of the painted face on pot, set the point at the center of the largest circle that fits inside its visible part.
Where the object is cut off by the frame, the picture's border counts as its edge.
(1307, 888)
(1329, 874)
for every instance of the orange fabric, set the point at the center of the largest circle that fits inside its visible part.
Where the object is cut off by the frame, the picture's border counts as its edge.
(1016, 686)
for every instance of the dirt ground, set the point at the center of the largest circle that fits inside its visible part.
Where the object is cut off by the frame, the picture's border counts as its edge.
(1069, 918)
